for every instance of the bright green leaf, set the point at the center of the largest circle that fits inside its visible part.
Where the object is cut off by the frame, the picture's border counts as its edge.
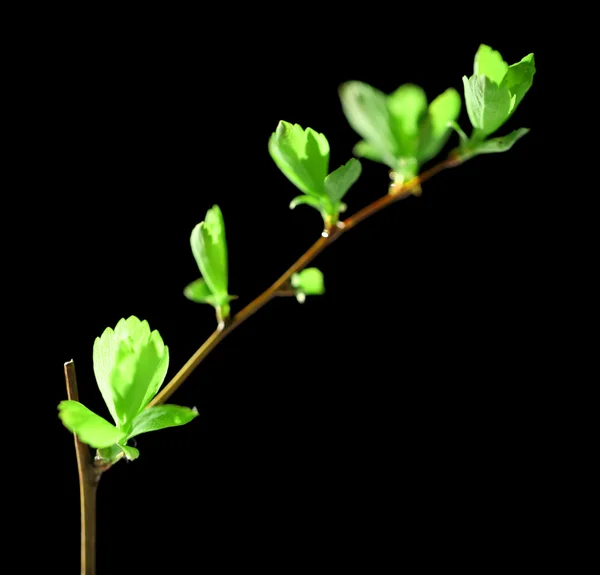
(488, 104)
(339, 182)
(130, 364)
(161, 417)
(495, 145)
(367, 113)
(435, 128)
(302, 156)
(209, 246)
(130, 452)
(490, 63)
(89, 427)
(309, 281)
(199, 292)
(407, 107)
(519, 79)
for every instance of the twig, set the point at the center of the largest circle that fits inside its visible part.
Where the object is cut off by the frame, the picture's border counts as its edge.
(89, 477)
(327, 238)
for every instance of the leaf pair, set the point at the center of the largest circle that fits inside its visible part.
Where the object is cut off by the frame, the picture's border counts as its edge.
(400, 130)
(209, 246)
(130, 365)
(303, 157)
(492, 94)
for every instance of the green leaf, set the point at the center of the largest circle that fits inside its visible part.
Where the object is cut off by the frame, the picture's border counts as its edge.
(199, 292)
(161, 417)
(464, 139)
(302, 156)
(89, 427)
(110, 454)
(367, 112)
(407, 107)
(130, 452)
(435, 129)
(340, 181)
(495, 145)
(130, 364)
(490, 63)
(209, 246)
(308, 200)
(519, 79)
(365, 150)
(309, 281)
(488, 104)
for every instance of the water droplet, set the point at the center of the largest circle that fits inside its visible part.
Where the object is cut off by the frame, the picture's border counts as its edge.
(325, 234)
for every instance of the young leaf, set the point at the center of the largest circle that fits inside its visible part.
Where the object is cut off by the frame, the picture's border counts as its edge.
(435, 127)
(495, 145)
(309, 281)
(316, 203)
(340, 181)
(365, 150)
(130, 452)
(130, 364)
(161, 417)
(89, 427)
(209, 246)
(399, 130)
(110, 454)
(302, 156)
(490, 63)
(199, 292)
(519, 79)
(407, 107)
(367, 112)
(488, 104)
(495, 90)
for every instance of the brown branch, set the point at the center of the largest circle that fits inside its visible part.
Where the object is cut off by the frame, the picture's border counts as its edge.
(89, 476)
(326, 239)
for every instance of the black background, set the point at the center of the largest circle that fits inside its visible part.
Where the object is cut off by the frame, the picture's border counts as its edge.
(386, 423)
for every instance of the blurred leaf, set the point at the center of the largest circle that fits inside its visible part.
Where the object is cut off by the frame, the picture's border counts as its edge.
(161, 417)
(365, 150)
(302, 156)
(407, 106)
(435, 127)
(89, 427)
(199, 292)
(367, 113)
(309, 281)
